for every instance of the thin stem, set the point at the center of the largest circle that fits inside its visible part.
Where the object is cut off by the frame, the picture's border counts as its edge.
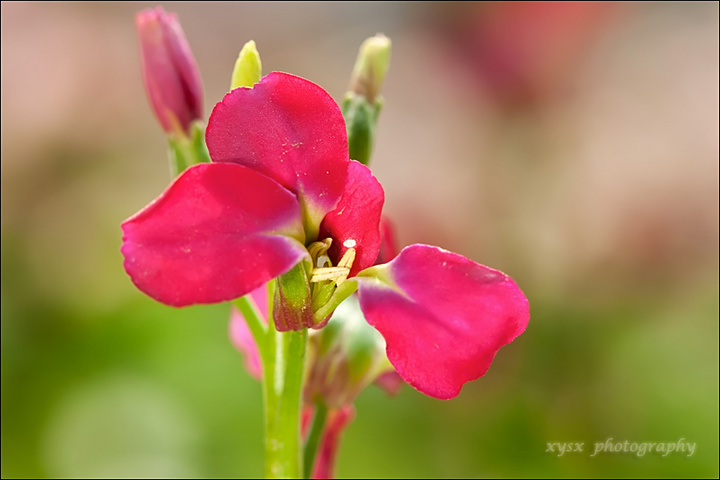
(187, 149)
(283, 362)
(314, 436)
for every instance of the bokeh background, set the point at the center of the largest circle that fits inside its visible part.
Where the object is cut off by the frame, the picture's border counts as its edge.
(573, 146)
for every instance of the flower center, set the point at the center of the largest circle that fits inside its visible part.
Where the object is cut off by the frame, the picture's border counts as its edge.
(323, 269)
(326, 279)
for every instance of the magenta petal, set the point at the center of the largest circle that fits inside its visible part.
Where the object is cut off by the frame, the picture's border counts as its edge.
(444, 317)
(262, 301)
(390, 382)
(242, 339)
(289, 129)
(355, 222)
(241, 336)
(218, 232)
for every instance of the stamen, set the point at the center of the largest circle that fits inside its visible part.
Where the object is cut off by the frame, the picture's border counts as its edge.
(337, 274)
(328, 273)
(348, 258)
(317, 249)
(322, 292)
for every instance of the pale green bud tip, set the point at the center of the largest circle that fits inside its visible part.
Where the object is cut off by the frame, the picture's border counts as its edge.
(248, 68)
(371, 66)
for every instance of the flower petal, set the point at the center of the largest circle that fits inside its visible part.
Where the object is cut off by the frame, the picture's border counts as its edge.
(292, 131)
(262, 301)
(241, 336)
(242, 339)
(218, 232)
(355, 222)
(390, 382)
(443, 316)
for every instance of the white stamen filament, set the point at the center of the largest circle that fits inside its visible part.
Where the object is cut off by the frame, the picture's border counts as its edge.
(337, 274)
(328, 273)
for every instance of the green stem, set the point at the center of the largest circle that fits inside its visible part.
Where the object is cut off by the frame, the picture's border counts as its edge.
(283, 362)
(313, 439)
(188, 149)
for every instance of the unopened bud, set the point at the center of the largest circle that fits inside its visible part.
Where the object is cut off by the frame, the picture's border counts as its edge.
(361, 105)
(170, 74)
(371, 66)
(248, 68)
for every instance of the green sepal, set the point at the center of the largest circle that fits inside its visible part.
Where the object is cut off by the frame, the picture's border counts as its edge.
(292, 302)
(360, 120)
(186, 151)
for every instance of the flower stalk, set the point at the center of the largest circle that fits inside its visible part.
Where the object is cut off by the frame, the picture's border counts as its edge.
(283, 359)
(282, 356)
(186, 151)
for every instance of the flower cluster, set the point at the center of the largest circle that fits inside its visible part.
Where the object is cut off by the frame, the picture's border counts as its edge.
(279, 184)
(269, 206)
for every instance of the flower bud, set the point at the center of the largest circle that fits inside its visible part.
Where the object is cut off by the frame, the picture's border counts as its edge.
(170, 74)
(361, 105)
(344, 357)
(248, 67)
(360, 120)
(370, 67)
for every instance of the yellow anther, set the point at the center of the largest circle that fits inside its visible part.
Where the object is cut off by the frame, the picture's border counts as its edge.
(347, 259)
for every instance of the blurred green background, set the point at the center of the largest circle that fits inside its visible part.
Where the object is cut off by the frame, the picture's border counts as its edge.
(573, 146)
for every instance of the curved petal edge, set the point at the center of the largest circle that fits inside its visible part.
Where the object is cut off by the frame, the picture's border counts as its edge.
(443, 316)
(355, 222)
(218, 232)
(289, 129)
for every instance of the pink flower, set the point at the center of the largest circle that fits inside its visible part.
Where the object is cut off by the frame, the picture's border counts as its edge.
(241, 336)
(281, 186)
(170, 74)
